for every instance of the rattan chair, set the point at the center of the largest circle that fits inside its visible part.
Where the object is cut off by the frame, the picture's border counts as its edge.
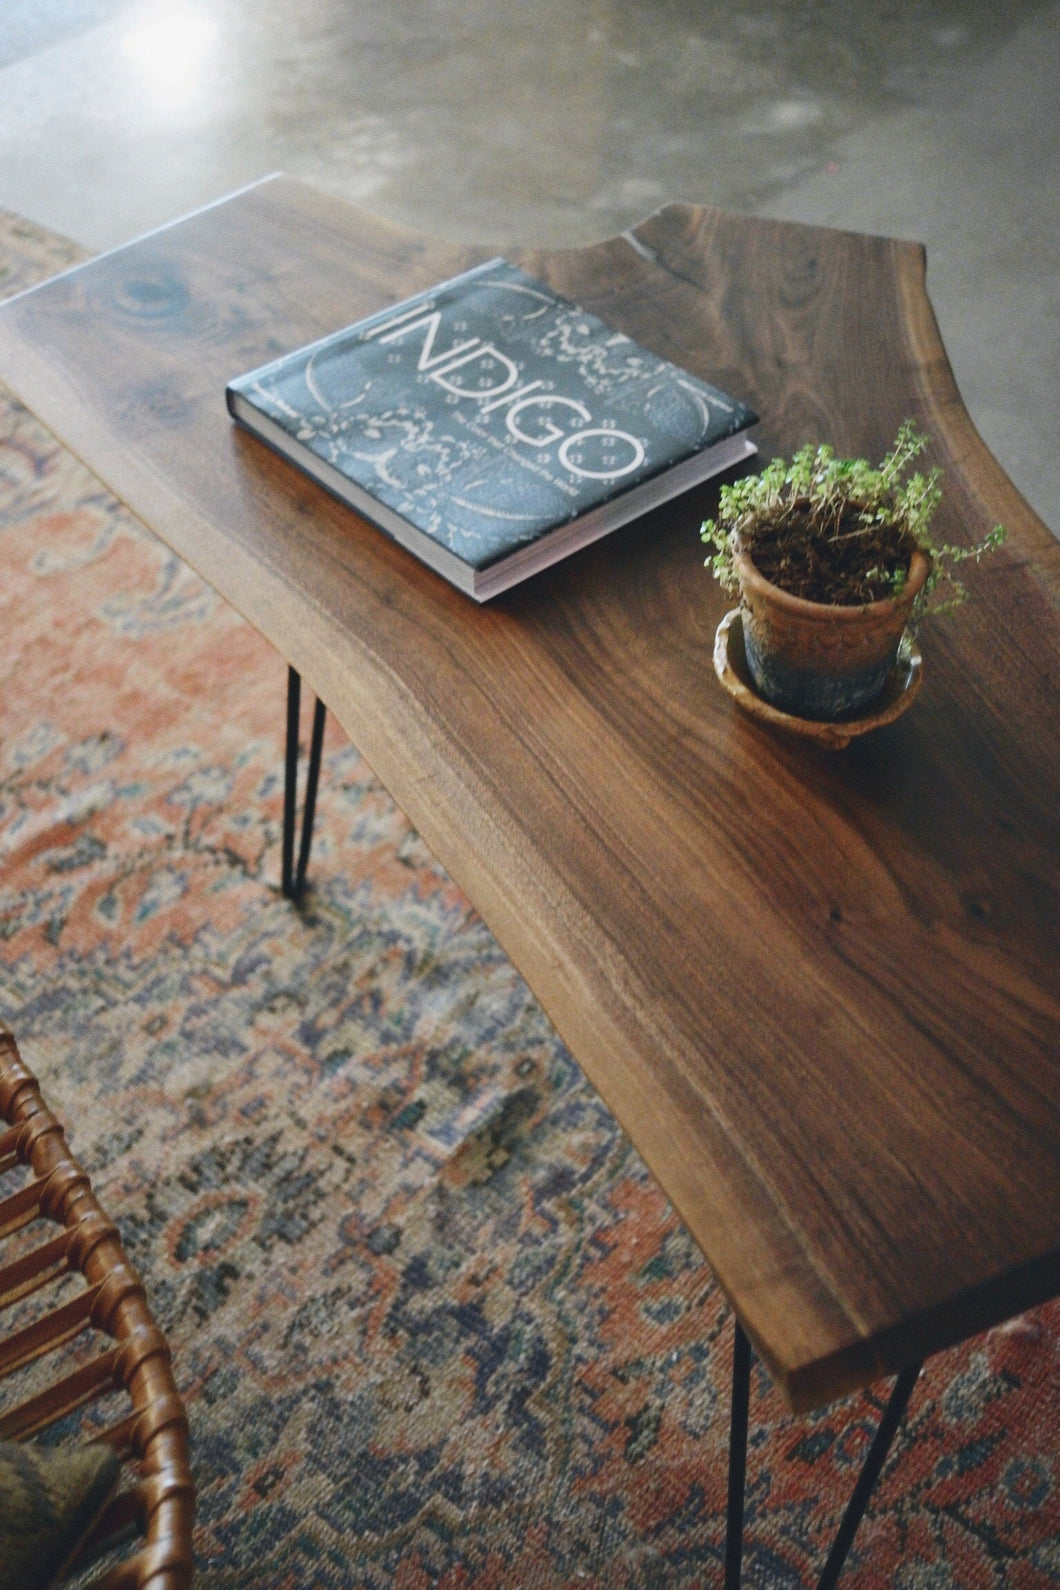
(95, 1339)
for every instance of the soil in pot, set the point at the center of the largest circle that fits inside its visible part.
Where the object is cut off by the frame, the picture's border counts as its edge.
(822, 622)
(843, 563)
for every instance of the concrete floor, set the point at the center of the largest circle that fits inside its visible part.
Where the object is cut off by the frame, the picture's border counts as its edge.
(564, 121)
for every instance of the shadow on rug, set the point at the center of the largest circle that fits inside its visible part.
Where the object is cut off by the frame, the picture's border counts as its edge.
(434, 1322)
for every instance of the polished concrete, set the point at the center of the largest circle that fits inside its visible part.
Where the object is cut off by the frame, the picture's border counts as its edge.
(566, 120)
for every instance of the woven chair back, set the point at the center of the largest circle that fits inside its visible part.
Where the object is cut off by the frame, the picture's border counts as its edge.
(98, 1338)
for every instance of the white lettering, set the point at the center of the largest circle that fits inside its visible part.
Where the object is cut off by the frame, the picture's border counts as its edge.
(388, 325)
(510, 397)
(550, 433)
(485, 351)
(428, 359)
(601, 474)
(506, 393)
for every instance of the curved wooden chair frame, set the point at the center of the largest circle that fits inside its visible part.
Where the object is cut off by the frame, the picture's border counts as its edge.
(152, 1439)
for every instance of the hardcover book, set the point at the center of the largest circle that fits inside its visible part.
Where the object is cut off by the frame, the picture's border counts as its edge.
(491, 426)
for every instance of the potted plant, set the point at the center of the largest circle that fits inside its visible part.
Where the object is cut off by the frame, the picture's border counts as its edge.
(833, 559)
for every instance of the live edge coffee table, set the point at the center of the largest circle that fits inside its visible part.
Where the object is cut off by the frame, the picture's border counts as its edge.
(819, 990)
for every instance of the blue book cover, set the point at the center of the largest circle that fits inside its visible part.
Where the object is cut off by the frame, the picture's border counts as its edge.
(491, 425)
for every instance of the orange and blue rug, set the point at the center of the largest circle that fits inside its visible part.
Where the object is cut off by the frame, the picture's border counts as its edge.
(435, 1324)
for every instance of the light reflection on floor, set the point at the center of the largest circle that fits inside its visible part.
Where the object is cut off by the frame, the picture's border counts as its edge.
(569, 120)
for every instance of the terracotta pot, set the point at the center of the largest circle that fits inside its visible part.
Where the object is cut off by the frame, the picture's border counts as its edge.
(815, 660)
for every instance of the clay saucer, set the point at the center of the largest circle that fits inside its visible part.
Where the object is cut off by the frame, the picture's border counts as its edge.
(897, 696)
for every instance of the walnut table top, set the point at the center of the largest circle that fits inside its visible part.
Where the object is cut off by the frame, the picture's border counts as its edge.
(820, 991)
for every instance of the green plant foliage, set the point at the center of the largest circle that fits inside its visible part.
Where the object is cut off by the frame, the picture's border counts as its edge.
(871, 515)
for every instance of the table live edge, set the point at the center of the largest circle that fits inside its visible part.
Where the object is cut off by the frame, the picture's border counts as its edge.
(818, 991)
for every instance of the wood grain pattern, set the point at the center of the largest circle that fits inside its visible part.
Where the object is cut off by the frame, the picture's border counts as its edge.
(820, 992)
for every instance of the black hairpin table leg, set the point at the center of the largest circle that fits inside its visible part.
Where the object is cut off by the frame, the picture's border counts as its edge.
(294, 876)
(870, 1472)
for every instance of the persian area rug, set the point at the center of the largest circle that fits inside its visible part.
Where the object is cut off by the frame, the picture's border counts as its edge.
(434, 1322)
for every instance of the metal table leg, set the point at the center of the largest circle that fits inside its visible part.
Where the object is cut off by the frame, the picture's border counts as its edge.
(870, 1471)
(294, 877)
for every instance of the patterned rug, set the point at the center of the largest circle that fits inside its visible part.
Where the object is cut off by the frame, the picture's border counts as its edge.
(435, 1324)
